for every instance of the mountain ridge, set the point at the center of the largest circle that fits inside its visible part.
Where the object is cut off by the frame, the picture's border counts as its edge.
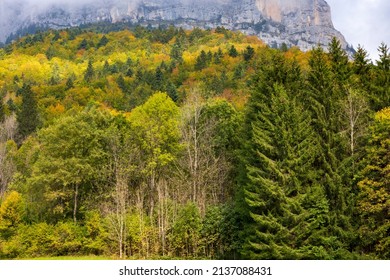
(304, 24)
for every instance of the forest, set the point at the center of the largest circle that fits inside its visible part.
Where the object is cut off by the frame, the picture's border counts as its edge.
(167, 143)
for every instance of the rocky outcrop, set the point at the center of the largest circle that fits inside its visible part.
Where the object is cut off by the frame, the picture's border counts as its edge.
(302, 23)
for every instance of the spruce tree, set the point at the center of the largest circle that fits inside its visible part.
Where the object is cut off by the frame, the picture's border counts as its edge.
(248, 53)
(382, 78)
(233, 51)
(339, 63)
(28, 117)
(277, 179)
(362, 69)
(103, 42)
(325, 84)
(89, 73)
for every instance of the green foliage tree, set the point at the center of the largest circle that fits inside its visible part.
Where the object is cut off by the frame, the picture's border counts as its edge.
(11, 214)
(277, 176)
(28, 115)
(156, 129)
(69, 161)
(382, 79)
(185, 235)
(361, 62)
(324, 113)
(201, 61)
(89, 74)
(339, 62)
(272, 157)
(248, 53)
(177, 52)
(233, 51)
(103, 42)
(83, 44)
(374, 186)
(326, 88)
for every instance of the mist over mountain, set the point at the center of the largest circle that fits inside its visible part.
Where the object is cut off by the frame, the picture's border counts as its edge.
(302, 23)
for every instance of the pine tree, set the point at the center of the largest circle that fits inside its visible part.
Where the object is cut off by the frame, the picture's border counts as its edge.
(83, 45)
(361, 61)
(70, 82)
(103, 42)
(248, 53)
(339, 63)
(122, 83)
(382, 78)
(201, 61)
(177, 52)
(28, 117)
(323, 99)
(233, 51)
(283, 146)
(89, 73)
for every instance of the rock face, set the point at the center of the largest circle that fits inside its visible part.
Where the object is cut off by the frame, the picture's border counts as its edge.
(302, 23)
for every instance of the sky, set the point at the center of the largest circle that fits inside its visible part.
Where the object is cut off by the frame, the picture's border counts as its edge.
(364, 22)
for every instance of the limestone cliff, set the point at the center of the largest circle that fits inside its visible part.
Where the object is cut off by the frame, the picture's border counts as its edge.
(302, 23)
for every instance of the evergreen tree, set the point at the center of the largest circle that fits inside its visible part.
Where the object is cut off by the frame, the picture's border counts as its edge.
(106, 68)
(89, 73)
(248, 53)
(50, 53)
(28, 117)
(83, 45)
(201, 61)
(218, 56)
(233, 51)
(172, 91)
(282, 144)
(382, 78)
(158, 81)
(339, 63)
(103, 42)
(70, 82)
(361, 61)
(324, 104)
(362, 69)
(177, 52)
(121, 83)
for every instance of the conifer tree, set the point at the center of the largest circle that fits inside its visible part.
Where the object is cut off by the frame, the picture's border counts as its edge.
(233, 51)
(382, 78)
(339, 63)
(28, 117)
(89, 73)
(323, 99)
(248, 53)
(201, 61)
(103, 42)
(361, 61)
(283, 147)
(362, 68)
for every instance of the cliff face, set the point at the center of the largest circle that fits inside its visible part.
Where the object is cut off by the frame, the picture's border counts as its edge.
(302, 23)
